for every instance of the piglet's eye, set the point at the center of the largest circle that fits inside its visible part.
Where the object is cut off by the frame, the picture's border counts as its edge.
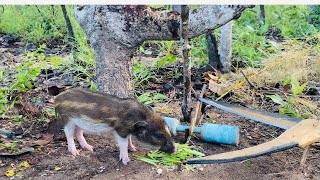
(159, 135)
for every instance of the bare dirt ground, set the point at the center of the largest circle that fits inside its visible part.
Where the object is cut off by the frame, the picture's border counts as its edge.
(53, 161)
(104, 164)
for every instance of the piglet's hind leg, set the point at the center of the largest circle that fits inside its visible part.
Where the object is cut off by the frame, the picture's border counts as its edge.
(69, 130)
(82, 141)
(123, 146)
(131, 146)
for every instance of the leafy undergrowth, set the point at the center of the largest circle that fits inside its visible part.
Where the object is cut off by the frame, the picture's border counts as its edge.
(184, 152)
(288, 83)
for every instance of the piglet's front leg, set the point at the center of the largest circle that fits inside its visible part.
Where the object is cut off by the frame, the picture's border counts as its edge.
(123, 146)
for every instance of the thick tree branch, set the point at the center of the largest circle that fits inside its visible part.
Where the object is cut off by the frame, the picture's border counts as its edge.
(131, 25)
(116, 31)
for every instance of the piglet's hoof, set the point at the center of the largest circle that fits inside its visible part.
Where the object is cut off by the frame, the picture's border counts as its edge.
(73, 151)
(132, 148)
(124, 160)
(88, 147)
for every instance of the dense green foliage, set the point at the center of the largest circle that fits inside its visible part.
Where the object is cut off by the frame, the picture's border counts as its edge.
(43, 24)
(39, 24)
(250, 44)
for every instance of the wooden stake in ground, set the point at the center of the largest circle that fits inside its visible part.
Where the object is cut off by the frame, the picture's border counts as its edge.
(184, 29)
(305, 155)
(197, 114)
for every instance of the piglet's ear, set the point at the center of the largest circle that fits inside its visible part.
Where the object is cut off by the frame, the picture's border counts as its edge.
(140, 129)
(140, 124)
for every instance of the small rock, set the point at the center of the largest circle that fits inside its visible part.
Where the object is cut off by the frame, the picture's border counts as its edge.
(307, 175)
(159, 171)
(200, 169)
(8, 39)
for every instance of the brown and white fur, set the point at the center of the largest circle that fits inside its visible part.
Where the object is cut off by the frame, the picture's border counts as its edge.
(83, 111)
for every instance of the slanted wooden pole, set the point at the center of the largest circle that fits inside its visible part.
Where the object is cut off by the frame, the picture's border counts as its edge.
(68, 23)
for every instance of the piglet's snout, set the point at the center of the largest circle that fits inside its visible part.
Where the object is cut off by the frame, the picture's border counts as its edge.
(175, 149)
(169, 148)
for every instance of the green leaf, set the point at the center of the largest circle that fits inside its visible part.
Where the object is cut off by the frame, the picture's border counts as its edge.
(159, 96)
(56, 61)
(277, 99)
(147, 160)
(1, 74)
(168, 59)
(141, 50)
(144, 97)
(286, 81)
(296, 88)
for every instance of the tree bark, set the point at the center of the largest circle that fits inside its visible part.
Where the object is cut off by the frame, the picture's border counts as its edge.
(113, 70)
(184, 27)
(115, 31)
(262, 15)
(226, 47)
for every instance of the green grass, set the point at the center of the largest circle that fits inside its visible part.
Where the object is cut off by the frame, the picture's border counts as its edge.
(42, 23)
(33, 24)
(249, 42)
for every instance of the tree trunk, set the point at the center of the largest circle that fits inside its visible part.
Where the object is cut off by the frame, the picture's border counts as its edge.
(262, 15)
(184, 27)
(214, 59)
(226, 47)
(114, 70)
(116, 31)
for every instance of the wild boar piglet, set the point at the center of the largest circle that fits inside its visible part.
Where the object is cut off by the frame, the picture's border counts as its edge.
(82, 111)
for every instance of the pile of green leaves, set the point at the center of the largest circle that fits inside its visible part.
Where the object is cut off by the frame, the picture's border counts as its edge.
(161, 158)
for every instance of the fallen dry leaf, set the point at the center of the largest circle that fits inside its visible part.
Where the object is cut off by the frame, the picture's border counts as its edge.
(216, 87)
(41, 142)
(212, 77)
(10, 173)
(47, 136)
(46, 139)
(24, 164)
